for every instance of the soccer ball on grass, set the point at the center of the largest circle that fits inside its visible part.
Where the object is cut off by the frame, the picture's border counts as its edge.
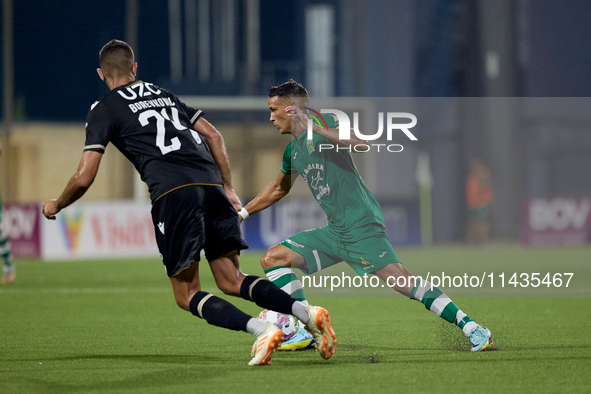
(287, 323)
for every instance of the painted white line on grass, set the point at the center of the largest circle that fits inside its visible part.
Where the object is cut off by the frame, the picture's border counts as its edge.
(94, 290)
(89, 290)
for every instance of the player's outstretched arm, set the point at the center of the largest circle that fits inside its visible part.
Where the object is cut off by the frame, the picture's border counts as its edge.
(271, 194)
(220, 156)
(331, 134)
(77, 185)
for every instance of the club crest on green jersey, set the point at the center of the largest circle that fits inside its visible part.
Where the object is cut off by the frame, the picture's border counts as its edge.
(310, 146)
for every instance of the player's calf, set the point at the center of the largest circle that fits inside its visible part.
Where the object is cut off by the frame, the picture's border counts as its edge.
(218, 312)
(436, 301)
(268, 296)
(277, 263)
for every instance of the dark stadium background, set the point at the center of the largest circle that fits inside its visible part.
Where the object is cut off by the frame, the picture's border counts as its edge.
(56, 45)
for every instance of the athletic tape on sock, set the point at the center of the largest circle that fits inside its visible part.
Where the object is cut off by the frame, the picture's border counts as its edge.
(252, 287)
(200, 306)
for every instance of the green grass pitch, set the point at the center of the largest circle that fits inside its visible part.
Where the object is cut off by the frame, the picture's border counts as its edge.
(113, 327)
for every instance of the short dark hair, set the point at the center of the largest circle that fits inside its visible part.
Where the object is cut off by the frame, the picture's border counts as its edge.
(116, 58)
(290, 88)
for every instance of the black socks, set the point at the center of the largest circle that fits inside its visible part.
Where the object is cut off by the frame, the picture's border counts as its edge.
(218, 312)
(266, 295)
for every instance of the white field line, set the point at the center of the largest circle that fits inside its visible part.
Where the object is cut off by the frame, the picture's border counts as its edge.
(88, 290)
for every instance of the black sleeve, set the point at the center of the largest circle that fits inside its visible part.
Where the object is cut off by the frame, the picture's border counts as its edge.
(193, 114)
(98, 128)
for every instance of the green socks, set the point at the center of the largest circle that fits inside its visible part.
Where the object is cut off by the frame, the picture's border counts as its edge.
(437, 302)
(284, 278)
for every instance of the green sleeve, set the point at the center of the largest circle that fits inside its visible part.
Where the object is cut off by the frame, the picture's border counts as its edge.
(286, 167)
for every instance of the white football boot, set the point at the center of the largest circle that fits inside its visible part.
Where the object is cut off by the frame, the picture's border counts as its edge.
(319, 327)
(266, 344)
(480, 338)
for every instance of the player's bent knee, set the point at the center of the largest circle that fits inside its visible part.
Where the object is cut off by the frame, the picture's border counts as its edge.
(183, 302)
(276, 256)
(231, 288)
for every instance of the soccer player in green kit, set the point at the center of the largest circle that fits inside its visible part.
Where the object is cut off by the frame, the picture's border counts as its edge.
(8, 271)
(355, 232)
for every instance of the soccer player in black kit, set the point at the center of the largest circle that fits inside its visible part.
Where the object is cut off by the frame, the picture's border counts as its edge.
(183, 160)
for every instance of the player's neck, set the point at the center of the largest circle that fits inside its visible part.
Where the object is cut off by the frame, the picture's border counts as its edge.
(296, 130)
(114, 83)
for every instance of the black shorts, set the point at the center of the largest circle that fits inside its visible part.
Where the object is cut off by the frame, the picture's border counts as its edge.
(193, 218)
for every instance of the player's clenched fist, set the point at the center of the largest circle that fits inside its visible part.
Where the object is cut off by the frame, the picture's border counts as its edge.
(50, 209)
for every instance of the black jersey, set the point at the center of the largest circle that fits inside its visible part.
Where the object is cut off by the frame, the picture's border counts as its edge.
(154, 130)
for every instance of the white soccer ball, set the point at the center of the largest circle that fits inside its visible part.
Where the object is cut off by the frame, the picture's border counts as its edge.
(287, 323)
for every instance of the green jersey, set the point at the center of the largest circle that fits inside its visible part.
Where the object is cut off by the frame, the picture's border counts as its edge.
(335, 182)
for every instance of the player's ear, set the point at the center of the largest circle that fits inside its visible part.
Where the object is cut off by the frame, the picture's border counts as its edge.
(100, 73)
(134, 70)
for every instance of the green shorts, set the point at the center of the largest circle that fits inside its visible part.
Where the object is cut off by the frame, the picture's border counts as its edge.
(480, 213)
(322, 247)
